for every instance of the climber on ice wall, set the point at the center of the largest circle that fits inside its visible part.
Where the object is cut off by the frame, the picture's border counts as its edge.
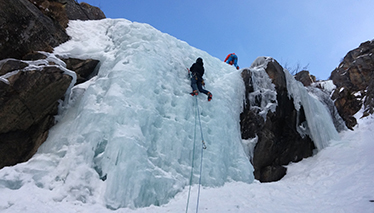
(197, 81)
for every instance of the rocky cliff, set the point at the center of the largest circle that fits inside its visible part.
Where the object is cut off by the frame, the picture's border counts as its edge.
(32, 82)
(278, 142)
(354, 79)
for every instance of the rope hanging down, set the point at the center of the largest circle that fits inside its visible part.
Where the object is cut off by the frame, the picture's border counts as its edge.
(203, 146)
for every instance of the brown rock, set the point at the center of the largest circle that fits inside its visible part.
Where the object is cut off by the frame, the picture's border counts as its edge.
(33, 56)
(83, 68)
(305, 78)
(11, 65)
(354, 81)
(82, 11)
(27, 108)
(24, 28)
(53, 9)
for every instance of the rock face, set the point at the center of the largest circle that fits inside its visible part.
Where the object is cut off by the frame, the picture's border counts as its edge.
(84, 69)
(26, 26)
(278, 141)
(29, 101)
(30, 95)
(27, 106)
(23, 28)
(82, 11)
(305, 78)
(354, 79)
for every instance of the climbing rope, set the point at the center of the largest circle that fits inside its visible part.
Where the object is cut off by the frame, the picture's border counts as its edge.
(203, 146)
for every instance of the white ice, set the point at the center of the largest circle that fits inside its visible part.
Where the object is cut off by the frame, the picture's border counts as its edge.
(320, 126)
(264, 96)
(127, 137)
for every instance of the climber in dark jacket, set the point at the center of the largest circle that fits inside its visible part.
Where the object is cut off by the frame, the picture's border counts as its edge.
(197, 81)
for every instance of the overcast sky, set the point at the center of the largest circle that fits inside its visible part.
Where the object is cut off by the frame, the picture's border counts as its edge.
(316, 34)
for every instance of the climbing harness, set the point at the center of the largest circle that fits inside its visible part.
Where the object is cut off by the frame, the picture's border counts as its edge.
(203, 146)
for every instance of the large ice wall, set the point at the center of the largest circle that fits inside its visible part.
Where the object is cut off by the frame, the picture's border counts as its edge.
(126, 137)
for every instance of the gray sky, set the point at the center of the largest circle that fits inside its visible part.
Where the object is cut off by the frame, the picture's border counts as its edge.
(317, 33)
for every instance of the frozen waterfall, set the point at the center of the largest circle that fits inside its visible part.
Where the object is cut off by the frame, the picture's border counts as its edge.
(126, 137)
(320, 126)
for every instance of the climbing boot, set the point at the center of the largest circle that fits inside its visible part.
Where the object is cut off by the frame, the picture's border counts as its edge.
(194, 93)
(209, 96)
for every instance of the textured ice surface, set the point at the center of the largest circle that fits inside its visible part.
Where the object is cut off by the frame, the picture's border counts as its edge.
(126, 136)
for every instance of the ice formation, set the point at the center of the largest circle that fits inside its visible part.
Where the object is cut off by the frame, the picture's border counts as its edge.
(126, 137)
(320, 126)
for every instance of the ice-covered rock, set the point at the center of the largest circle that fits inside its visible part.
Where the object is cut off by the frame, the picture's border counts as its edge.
(286, 122)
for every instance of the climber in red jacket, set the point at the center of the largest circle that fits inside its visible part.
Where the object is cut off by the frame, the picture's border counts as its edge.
(232, 59)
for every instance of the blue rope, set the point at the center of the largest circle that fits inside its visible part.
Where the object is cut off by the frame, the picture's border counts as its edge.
(197, 115)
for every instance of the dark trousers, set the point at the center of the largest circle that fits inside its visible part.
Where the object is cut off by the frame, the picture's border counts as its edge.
(196, 83)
